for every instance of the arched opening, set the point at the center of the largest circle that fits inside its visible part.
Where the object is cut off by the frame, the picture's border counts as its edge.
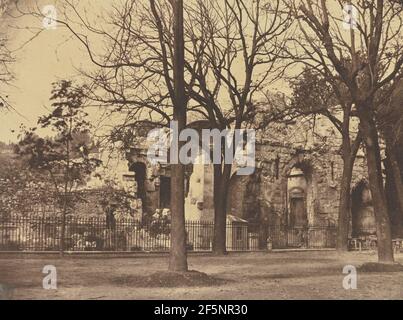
(140, 172)
(299, 196)
(298, 216)
(362, 211)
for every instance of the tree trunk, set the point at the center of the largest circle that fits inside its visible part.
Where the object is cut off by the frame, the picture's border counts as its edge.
(383, 228)
(221, 186)
(396, 175)
(344, 206)
(178, 254)
(349, 156)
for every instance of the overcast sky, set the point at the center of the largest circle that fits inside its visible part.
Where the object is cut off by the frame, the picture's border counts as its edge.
(41, 61)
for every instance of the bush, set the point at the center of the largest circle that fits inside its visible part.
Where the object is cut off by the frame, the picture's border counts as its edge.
(160, 223)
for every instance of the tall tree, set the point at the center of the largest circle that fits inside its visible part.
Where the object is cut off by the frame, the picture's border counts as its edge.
(313, 95)
(178, 259)
(367, 59)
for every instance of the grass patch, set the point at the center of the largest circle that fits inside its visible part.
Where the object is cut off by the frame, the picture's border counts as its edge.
(381, 267)
(167, 279)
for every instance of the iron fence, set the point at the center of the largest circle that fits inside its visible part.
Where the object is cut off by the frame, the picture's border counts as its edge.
(43, 233)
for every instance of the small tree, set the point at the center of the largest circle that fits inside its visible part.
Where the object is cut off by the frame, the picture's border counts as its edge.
(66, 157)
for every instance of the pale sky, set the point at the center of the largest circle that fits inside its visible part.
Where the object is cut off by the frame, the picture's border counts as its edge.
(43, 60)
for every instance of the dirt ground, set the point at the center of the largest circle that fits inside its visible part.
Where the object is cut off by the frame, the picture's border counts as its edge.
(286, 275)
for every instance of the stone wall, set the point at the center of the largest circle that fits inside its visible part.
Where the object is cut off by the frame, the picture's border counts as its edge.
(264, 196)
(274, 164)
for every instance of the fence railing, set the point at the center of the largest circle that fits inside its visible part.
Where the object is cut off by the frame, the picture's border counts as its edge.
(34, 233)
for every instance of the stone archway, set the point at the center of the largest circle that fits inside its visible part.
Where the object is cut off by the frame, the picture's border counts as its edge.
(297, 208)
(299, 191)
(362, 211)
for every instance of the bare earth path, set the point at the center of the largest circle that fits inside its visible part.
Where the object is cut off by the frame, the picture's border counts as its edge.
(289, 275)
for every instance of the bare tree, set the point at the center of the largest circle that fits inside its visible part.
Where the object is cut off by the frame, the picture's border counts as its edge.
(142, 75)
(314, 95)
(235, 49)
(367, 60)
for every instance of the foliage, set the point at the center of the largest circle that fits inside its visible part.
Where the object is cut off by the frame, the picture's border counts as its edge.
(312, 93)
(22, 190)
(160, 223)
(115, 200)
(66, 157)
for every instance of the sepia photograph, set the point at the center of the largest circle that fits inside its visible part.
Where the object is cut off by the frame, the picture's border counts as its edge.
(201, 154)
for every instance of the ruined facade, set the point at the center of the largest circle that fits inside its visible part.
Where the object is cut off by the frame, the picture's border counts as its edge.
(296, 183)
